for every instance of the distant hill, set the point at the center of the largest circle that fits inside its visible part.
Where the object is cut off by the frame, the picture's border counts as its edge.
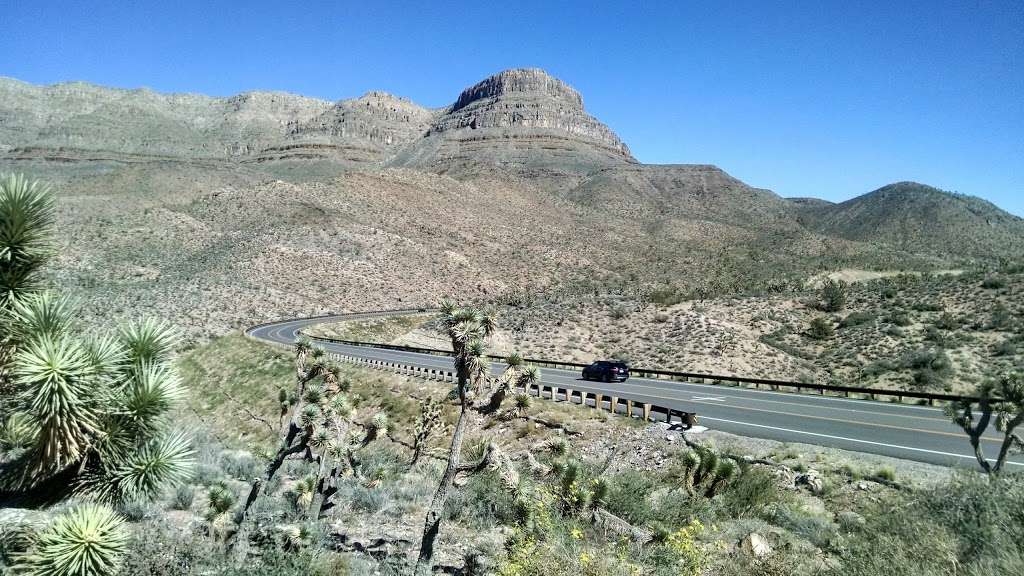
(219, 211)
(918, 218)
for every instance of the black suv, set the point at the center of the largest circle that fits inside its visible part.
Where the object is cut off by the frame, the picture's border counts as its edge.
(606, 370)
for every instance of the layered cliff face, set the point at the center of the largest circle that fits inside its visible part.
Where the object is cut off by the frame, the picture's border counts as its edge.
(523, 99)
(370, 128)
(521, 120)
(81, 120)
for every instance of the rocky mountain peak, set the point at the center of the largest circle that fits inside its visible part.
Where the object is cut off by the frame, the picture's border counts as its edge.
(524, 81)
(527, 109)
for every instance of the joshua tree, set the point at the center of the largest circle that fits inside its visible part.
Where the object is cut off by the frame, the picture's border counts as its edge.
(82, 412)
(317, 425)
(428, 421)
(468, 328)
(1001, 400)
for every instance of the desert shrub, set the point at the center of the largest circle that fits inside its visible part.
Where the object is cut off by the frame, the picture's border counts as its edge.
(665, 296)
(751, 491)
(878, 367)
(947, 322)
(833, 295)
(939, 337)
(483, 502)
(886, 474)
(926, 358)
(993, 283)
(1001, 318)
(134, 510)
(856, 319)
(366, 499)
(239, 465)
(157, 549)
(628, 496)
(888, 292)
(815, 528)
(970, 525)
(1005, 348)
(184, 495)
(821, 328)
(677, 508)
(900, 318)
(925, 306)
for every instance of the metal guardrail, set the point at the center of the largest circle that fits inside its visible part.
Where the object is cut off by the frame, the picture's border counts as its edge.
(351, 315)
(616, 404)
(702, 378)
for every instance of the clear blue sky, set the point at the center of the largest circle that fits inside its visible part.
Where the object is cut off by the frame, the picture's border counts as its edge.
(828, 99)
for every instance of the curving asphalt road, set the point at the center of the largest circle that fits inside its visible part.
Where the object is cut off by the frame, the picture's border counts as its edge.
(912, 432)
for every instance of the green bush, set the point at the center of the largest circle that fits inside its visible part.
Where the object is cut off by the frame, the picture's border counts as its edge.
(900, 318)
(833, 295)
(821, 329)
(856, 319)
(993, 283)
(752, 490)
(628, 496)
(1005, 348)
(970, 525)
(184, 495)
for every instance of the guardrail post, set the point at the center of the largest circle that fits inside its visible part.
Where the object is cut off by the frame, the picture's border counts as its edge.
(647, 411)
(629, 408)
(614, 408)
(598, 400)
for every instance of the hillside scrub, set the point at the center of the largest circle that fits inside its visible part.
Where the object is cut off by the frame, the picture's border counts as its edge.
(932, 332)
(574, 509)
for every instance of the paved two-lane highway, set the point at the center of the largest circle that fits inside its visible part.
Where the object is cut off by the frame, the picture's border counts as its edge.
(913, 432)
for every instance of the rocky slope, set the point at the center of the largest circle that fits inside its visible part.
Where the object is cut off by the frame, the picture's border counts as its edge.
(223, 211)
(519, 120)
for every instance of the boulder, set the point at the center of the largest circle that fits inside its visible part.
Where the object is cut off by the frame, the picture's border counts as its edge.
(755, 545)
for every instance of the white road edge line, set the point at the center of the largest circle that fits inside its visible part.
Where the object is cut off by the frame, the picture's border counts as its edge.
(897, 446)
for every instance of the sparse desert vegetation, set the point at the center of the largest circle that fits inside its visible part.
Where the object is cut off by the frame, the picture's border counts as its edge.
(141, 433)
(942, 332)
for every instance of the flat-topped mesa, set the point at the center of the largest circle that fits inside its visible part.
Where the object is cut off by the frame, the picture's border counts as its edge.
(530, 100)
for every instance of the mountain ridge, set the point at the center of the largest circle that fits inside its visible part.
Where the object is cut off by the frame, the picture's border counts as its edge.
(267, 204)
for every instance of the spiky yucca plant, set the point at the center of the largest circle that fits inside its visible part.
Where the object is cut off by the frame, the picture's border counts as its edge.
(26, 220)
(89, 540)
(81, 411)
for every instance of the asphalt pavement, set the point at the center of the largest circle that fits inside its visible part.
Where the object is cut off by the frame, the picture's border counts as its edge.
(912, 432)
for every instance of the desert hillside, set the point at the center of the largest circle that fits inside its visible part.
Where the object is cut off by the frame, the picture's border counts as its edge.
(218, 212)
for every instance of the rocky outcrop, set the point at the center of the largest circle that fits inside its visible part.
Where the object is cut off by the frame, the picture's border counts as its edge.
(522, 99)
(522, 117)
(377, 119)
(519, 122)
